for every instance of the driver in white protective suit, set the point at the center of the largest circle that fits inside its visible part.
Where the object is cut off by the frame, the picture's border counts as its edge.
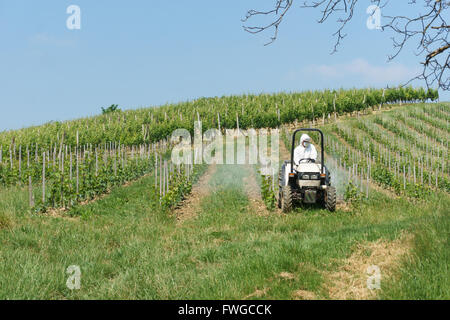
(305, 150)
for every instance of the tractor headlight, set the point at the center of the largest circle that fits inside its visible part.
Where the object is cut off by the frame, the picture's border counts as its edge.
(314, 177)
(305, 177)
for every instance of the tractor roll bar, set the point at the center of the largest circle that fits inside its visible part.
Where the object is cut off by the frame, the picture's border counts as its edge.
(321, 145)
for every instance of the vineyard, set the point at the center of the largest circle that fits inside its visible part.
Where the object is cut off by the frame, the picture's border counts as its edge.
(103, 193)
(65, 177)
(78, 160)
(402, 150)
(394, 151)
(150, 125)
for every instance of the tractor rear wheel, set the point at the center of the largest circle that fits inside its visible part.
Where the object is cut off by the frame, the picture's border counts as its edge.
(286, 199)
(330, 199)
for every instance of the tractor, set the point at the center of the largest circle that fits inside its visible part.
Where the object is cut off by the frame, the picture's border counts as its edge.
(306, 182)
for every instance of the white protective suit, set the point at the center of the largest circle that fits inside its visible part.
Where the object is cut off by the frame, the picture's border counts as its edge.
(308, 152)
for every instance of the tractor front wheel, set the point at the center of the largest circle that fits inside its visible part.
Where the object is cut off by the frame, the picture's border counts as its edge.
(330, 199)
(286, 199)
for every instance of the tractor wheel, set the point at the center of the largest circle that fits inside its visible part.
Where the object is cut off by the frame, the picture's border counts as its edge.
(286, 199)
(330, 199)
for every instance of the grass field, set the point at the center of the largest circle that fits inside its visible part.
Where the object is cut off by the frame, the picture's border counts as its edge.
(128, 247)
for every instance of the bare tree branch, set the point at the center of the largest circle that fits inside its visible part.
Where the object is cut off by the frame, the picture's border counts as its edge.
(281, 8)
(429, 31)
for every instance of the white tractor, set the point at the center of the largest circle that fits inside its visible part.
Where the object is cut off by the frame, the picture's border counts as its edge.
(307, 182)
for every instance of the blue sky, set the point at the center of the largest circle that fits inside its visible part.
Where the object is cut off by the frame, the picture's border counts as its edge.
(144, 53)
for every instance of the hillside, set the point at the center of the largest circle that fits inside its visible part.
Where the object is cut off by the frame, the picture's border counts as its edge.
(150, 125)
(140, 231)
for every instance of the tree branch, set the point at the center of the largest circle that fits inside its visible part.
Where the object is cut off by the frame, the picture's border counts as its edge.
(430, 31)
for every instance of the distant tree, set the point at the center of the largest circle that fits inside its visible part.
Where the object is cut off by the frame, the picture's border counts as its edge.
(427, 29)
(110, 109)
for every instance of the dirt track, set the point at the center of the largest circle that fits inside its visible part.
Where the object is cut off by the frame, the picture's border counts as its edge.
(188, 208)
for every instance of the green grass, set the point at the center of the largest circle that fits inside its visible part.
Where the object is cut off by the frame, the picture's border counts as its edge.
(129, 248)
(426, 274)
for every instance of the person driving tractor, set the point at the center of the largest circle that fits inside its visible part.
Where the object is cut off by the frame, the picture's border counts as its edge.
(305, 152)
